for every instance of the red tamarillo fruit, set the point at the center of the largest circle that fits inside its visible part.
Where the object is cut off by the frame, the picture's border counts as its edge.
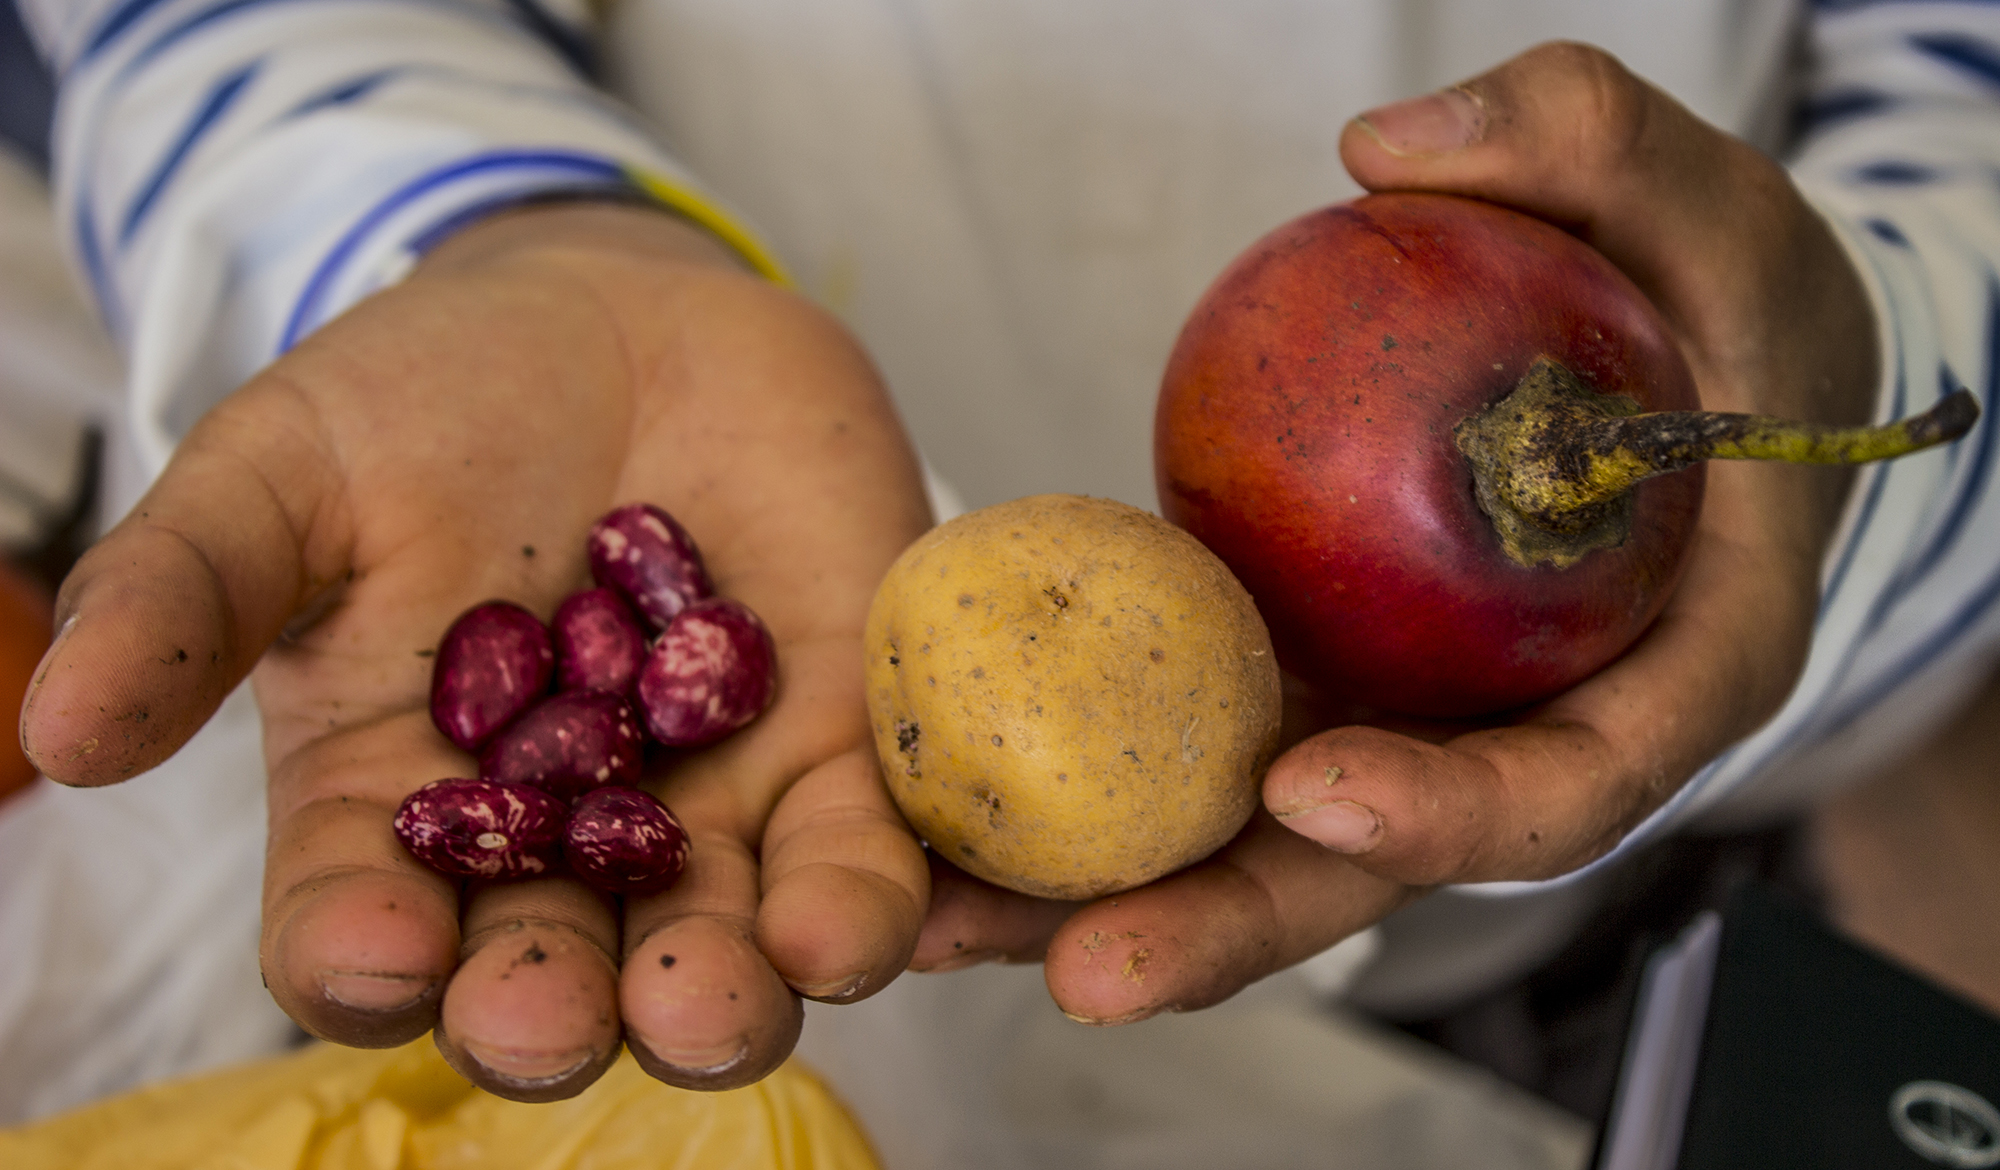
(1452, 452)
(713, 670)
(493, 663)
(567, 744)
(599, 643)
(623, 841)
(482, 828)
(646, 555)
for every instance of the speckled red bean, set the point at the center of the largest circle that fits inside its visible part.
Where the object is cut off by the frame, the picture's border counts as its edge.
(492, 664)
(482, 828)
(646, 555)
(623, 841)
(568, 744)
(713, 670)
(599, 643)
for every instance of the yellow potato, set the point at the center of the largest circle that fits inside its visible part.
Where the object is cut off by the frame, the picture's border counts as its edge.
(1070, 696)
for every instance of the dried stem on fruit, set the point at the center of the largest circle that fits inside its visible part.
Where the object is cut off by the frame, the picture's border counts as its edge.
(1553, 462)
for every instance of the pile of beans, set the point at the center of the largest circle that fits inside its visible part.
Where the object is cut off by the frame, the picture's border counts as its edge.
(560, 715)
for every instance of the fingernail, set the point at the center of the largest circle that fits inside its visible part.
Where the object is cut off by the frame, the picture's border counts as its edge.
(370, 991)
(35, 685)
(720, 1058)
(527, 1067)
(1433, 124)
(1144, 1013)
(960, 962)
(833, 988)
(1342, 826)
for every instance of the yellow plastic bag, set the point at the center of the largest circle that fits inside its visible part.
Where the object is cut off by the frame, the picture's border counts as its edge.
(333, 1108)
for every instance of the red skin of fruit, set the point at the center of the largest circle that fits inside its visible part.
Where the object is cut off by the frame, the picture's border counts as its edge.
(713, 670)
(623, 841)
(1304, 433)
(567, 744)
(493, 663)
(599, 643)
(483, 829)
(648, 557)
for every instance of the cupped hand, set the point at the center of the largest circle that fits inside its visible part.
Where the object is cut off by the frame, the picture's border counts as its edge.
(1772, 319)
(449, 441)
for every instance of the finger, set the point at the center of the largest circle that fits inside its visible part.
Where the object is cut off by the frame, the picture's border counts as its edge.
(531, 1014)
(972, 922)
(1268, 900)
(1566, 133)
(703, 1008)
(166, 614)
(845, 884)
(1561, 788)
(359, 937)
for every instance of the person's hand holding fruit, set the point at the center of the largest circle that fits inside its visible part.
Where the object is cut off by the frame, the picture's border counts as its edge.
(451, 441)
(1771, 318)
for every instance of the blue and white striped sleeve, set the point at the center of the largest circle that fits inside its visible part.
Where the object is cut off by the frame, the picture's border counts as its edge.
(232, 174)
(1899, 150)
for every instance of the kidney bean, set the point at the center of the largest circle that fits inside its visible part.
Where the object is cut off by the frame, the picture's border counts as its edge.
(599, 644)
(713, 670)
(481, 828)
(492, 664)
(624, 841)
(646, 555)
(568, 744)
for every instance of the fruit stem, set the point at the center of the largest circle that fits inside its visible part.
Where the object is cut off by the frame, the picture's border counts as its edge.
(1559, 457)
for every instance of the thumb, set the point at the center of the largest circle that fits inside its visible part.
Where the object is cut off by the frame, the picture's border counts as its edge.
(1566, 133)
(160, 620)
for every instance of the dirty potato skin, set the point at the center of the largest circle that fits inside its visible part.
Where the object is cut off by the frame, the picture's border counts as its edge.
(1070, 696)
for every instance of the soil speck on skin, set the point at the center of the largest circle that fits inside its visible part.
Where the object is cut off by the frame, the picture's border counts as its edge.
(427, 654)
(1332, 774)
(958, 946)
(1134, 966)
(527, 550)
(667, 960)
(534, 954)
(1097, 940)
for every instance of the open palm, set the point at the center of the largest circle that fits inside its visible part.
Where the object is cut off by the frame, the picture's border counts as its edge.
(449, 441)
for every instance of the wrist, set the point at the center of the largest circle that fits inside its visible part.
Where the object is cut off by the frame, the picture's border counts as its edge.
(627, 228)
